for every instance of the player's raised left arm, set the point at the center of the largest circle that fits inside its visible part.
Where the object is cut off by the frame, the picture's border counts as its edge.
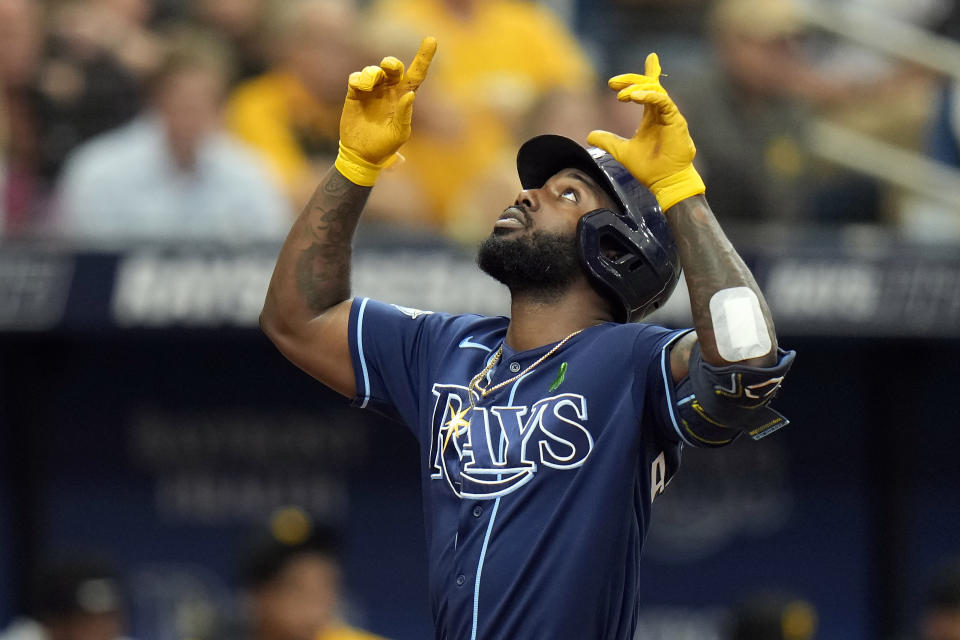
(731, 365)
(732, 321)
(724, 297)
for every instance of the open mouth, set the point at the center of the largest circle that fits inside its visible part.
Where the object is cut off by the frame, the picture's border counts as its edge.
(512, 218)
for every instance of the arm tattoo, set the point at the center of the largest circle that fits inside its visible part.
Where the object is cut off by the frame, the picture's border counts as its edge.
(710, 263)
(323, 276)
(329, 220)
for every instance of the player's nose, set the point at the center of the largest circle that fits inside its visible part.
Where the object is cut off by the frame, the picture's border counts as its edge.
(527, 200)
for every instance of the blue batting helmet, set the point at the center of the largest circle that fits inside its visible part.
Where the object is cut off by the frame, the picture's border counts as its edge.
(629, 255)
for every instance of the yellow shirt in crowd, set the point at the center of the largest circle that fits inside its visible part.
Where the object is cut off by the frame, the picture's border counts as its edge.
(490, 71)
(275, 114)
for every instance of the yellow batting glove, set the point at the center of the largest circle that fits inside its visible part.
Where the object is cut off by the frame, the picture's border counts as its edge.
(377, 112)
(660, 153)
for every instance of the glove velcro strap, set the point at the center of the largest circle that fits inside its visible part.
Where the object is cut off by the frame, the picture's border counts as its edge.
(699, 428)
(680, 186)
(355, 169)
(704, 430)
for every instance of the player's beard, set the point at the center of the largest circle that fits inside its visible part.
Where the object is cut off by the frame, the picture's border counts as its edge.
(537, 265)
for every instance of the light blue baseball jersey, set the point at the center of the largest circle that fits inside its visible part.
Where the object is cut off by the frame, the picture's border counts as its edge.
(536, 497)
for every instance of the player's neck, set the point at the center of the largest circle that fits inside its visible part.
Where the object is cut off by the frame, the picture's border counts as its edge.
(536, 322)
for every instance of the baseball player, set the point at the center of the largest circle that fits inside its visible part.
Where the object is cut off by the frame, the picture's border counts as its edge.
(544, 437)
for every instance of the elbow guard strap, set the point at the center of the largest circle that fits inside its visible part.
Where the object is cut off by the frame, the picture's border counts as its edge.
(716, 404)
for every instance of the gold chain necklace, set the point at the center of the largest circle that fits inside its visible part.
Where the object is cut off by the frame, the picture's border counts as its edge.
(484, 392)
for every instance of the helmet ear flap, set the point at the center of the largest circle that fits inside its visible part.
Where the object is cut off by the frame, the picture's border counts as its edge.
(599, 252)
(614, 250)
(626, 260)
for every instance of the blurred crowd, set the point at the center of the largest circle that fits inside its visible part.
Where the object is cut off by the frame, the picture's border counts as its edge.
(286, 581)
(126, 120)
(289, 586)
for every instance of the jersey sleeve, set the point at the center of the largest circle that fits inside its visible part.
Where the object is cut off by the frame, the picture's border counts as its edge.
(658, 390)
(389, 346)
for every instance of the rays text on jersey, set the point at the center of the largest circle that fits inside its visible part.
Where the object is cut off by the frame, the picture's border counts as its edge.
(487, 452)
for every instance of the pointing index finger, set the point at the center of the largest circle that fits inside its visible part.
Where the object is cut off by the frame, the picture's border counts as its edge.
(421, 63)
(651, 67)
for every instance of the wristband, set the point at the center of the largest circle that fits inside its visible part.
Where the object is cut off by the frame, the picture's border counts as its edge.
(680, 186)
(355, 169)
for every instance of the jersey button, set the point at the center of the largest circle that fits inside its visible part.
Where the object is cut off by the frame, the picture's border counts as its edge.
(461, 579)
(514, 367)
(477, 510)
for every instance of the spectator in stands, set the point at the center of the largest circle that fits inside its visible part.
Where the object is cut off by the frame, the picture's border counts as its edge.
(940, 619)
(90, 79)
(239, 22)
(291, 580)
(498, 61)
(291, 114)
(861, 74)
(629, 29)
(754, 104)
(74, 599)
(123, 28)
(20, 41)
(881, 96)
(172, 173)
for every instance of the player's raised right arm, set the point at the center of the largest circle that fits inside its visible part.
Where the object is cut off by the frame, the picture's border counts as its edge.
(307, 308)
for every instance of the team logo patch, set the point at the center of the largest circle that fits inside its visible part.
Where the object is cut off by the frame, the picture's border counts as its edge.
(487, 452)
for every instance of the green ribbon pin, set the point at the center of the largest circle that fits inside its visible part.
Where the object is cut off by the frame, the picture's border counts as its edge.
(560, 376)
